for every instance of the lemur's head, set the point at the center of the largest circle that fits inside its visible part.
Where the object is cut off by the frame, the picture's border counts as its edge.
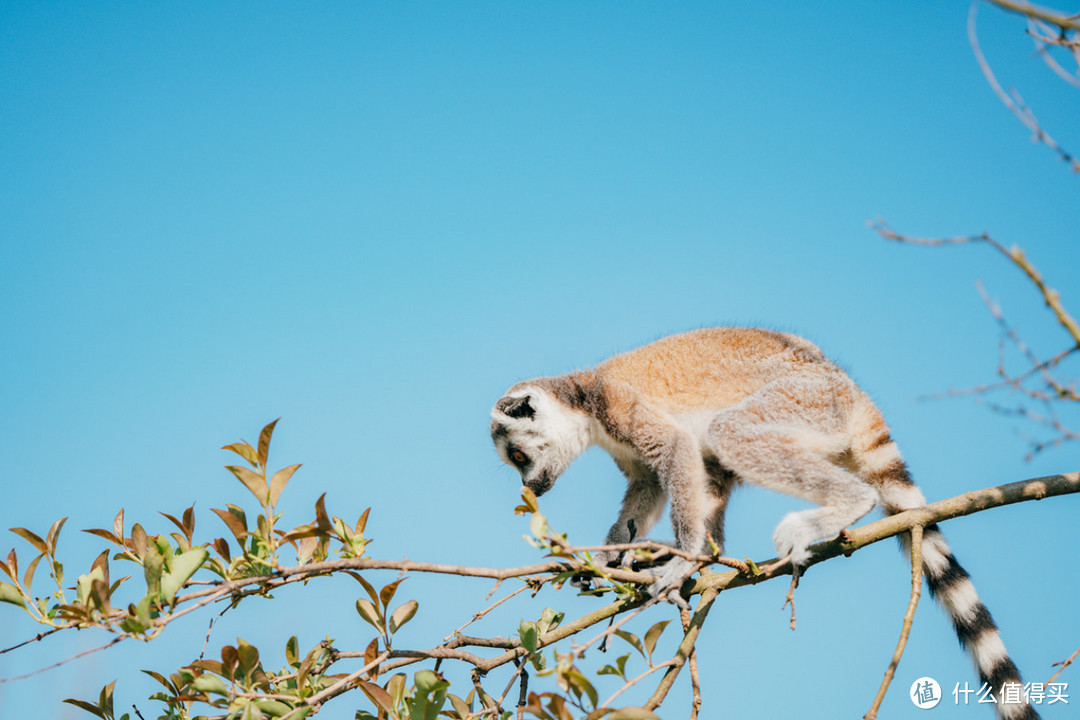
(537, 435)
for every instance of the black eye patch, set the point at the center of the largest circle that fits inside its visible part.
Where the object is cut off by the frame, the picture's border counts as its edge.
(517, 457)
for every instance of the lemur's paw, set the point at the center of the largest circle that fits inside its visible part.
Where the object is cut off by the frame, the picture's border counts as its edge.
(582, 583)
(608, 558)
(792, 538)
(602, 559)
(670, 577)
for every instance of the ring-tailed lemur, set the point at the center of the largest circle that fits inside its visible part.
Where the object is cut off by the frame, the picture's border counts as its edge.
(689, 415)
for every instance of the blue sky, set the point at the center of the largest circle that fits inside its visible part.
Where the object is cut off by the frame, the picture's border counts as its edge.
(370, 219)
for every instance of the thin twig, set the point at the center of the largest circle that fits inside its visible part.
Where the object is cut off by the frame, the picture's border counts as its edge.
(789, 599)
(1064, 664)
(905, 630)
(84, 653)
(513, 678)
(631, 683)
(686, 647)
(485, 611)
(344, 684)
(1012, 100)
(1033, 11)
(695, 680)
(37, 638)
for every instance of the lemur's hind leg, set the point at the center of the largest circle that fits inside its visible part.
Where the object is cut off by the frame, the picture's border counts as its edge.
(721, 482)
(782, 438)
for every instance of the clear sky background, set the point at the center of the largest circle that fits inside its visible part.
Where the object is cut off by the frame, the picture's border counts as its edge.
(370, 219)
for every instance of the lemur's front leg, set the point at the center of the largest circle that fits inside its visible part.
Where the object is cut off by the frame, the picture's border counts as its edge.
(676, 459)
(641, 508)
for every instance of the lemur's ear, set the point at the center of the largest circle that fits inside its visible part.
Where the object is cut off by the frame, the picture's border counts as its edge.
(516, 407)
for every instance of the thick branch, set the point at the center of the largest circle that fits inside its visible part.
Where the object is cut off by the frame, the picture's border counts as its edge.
(1064, 22)
(855, 538)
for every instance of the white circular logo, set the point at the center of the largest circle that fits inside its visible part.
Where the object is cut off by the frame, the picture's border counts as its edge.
(925, 693)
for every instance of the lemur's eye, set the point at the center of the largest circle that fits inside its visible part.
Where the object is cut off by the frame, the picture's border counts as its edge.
(518, 457)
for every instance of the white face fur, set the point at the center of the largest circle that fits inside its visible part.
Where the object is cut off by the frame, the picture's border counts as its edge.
(537, 435)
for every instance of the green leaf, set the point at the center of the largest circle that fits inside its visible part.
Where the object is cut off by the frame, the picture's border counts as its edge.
(245, 451)
(549, 620)
(528, 497)
(279, 481)
(10, 594)
(248, 658)
(88, 707)
(28, 578)
(537, 525)
(580, 684)
(139, 540)
(118, 524)
(181, 569)
(368, 611)
(619, 669)
(361, 522)
(387, 593)
(84, 582)
(273, 708)
(210, 684)
(236, 524)
(367, 586)
(105, 700)
(163, 680)
(251, 711)
(321, 518)
(252, 481)
(378, 696)
(106, 535)
(428, 682)
(396, 687)
(54, 533)
(633, 640)
(652, 635)
(403, 615)
(264, 441)
(460, 707)
(529, 634)
(299, 713)
(174, 521)
(292, 653)
(31, 538)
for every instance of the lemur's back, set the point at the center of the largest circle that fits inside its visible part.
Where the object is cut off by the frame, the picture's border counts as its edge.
(715, 367)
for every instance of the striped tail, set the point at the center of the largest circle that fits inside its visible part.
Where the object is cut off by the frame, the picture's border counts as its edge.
(882, 466)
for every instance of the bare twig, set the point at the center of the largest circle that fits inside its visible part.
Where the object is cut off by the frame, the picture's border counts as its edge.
(1065, 22)
(1042, 380)
(695, 680)
(1062, 665)
(346, 682)
(84, 653)
(485, 611)
(37, 638)
(686, 647)
(789, 599)
(631, 683)
(905, 630)
(1012, 99)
